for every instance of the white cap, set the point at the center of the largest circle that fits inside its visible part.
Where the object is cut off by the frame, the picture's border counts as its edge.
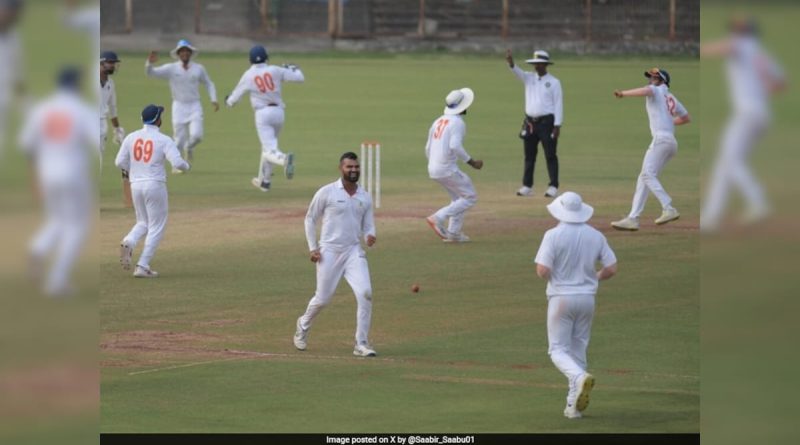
(458, 101)
(540, 56)
(570, 208)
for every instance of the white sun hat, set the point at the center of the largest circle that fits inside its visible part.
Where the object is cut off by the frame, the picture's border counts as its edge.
(540, 56)
(183, 43)
(570, 208)
(458, 101)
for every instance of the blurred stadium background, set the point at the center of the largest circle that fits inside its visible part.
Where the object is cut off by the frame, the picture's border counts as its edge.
(581, 26)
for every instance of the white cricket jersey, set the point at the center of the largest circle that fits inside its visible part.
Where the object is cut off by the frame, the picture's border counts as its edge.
(542, 95)
(263, 82)
(184, 83)
(345, 218)
(108, 100)
(10, 68)
(749, 67)
(446, 146)
(59, 134)
(571, 251)
(662, 107)
(143, 152)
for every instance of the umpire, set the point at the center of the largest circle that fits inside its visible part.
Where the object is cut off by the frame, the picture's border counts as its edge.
(544, 113)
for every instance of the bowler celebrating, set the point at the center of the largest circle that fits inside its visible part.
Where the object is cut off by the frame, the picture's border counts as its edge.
(346, 213)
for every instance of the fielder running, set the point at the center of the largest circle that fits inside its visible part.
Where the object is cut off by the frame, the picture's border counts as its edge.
(444, 148)
(665, 112)
(753, 76)
(60, 137)
(142, 154)
(185, 77)
(566, 259)
(263, 82)
(346, 213)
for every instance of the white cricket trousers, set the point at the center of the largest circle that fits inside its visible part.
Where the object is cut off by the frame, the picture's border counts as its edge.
(352, 264)
(732, 169)
(569, 325)
(661, 150)
(151, 204)
(269, 123)
(187, 124)
(68, 217)
(462, 197)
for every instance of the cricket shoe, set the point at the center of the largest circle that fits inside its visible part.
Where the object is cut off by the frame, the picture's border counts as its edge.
(288, 168)
(363, 350)
(125, 254)
(668, 215)
(524, 191)
(175, 171)
(571, 413)
(585, 384)
(551, 192)
(629, 224)
(300, 337)
(437, 226)
(259, 184)
(456, 238)
(144, 272)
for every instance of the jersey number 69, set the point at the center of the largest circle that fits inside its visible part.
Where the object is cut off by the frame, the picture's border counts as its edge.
(143, 150)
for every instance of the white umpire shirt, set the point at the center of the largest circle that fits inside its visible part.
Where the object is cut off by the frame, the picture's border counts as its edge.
(445, 146)
(142, 154)
(344, 218)
(263, 82)
(542, 95)
(184, 83)
(571, 251)
(662, 107)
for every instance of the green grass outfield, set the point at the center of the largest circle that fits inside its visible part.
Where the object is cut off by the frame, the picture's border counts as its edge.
(207, 346)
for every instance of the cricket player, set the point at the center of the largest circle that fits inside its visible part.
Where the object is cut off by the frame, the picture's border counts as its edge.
(753, 76)
(444, 148)
(108, 99)
(142, 154)
(185, 77)
(264, 84)
(60, 137)
(544, 115)
(665, 112)
(566, 259)
(345, 210)
(108, 109)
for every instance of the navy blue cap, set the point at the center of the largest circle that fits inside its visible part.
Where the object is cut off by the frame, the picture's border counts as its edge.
(151, 113)
(258, 54)
(663, 74)
(69, 77)
(109, 56)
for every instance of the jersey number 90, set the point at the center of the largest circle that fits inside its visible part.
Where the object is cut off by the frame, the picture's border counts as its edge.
(265, 83)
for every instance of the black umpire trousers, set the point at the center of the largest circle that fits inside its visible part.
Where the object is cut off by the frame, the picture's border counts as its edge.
(534, 131)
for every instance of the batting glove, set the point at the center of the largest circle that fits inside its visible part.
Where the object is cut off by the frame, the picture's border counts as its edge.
(119, 135)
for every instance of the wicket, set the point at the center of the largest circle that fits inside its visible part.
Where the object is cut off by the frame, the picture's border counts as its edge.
(372, 172)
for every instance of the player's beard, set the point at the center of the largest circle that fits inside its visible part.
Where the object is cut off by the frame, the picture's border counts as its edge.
(352, 177)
